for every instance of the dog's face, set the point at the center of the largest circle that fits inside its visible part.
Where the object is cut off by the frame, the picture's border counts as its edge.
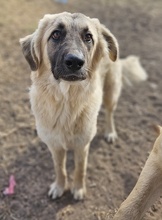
(69, 45)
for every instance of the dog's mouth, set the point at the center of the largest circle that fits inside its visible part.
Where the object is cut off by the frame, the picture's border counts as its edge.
(73, 77)
(64, 74)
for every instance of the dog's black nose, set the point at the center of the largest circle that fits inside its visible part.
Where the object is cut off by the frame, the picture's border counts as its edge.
(73, 62)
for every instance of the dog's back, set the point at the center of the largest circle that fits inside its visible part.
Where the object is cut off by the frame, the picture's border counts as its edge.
(148, 187)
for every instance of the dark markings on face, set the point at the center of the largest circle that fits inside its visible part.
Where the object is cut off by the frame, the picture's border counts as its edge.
(69, 38)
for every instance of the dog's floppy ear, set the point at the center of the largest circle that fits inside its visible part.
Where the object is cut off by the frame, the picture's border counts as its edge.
(112, 43)
(27, 44)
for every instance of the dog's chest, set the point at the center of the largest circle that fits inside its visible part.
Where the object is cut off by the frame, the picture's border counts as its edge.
(60, 118)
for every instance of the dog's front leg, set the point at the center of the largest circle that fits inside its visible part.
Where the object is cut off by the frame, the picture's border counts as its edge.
(80, 157)
(59, 186)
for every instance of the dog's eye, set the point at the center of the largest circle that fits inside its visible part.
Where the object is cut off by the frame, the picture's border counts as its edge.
(56, 35)
(88, 37)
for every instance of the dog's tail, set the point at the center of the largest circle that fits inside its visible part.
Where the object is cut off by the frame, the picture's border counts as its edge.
(132, 70)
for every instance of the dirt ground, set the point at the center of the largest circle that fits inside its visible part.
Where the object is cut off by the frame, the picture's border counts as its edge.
(113, 169)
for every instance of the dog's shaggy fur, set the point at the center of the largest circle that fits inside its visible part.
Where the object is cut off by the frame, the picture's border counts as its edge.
(75, 65)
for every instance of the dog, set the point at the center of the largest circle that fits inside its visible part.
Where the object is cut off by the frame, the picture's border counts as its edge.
(75, 66)
(148, 187)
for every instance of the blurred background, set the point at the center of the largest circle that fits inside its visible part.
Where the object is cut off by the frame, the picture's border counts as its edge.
(113, 169)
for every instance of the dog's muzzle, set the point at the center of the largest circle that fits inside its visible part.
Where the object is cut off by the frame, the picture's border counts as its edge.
(73, 65)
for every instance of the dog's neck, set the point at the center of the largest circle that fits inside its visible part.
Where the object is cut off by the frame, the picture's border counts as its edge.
(61, 89)
(68, 88)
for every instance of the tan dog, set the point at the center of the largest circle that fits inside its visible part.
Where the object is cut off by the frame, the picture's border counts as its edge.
(72, 61)
(148, 187)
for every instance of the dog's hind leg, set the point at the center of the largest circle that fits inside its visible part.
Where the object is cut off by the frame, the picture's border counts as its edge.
(112, 91)
(59, 186)
(110, 132)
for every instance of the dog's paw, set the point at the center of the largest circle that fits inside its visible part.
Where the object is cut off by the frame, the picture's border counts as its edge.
(55, 191)
(78, 194)
(111, 137)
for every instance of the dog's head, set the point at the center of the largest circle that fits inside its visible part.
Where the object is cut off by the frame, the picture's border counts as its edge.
(69, 45)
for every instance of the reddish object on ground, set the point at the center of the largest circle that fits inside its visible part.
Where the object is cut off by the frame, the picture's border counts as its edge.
(10, 189)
